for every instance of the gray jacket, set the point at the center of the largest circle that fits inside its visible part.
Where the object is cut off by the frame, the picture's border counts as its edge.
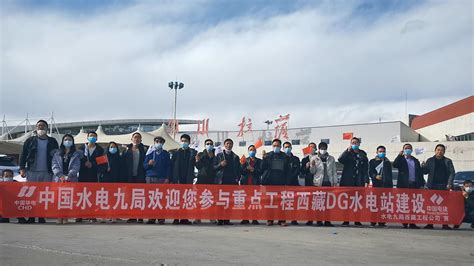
(74, 166)
(429, 169)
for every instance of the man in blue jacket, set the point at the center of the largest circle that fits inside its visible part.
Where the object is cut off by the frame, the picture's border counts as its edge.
(157, 165)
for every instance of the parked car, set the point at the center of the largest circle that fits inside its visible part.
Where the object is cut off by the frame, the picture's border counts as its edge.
(462, 176)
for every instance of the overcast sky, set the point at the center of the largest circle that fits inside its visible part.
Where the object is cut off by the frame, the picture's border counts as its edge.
(323, 62)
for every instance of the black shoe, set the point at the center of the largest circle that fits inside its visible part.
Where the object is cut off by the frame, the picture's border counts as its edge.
(140, 221)
(255, 222)
(30, 221)
(129, 221)
(472, 225)
(413, 226)
(269, 223)
(185, 221)
(428, 226)
(446, 227)
(41, 221)
(405, 225)
(294, 223)
(373, 224)
(358, 224)
(78, 220)
(227, 222)
(456, 227)
(220, 222)
(161, 221)
(175, 221)
(245, 222)
(22, 221)
(328, 224)
(4, 220)
(345, 224)
(319, 223)
(309, 223)
(151, 221)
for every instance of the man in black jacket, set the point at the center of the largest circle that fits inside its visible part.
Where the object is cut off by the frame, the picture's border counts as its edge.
(90, 170)
(36, 158)
(380, 171)
(410, 174)
(183, 161)
(440, 170)
(133, 159)
(294, 169)
(276, 166)
(355, 171)
(229, 169)
(308, 177)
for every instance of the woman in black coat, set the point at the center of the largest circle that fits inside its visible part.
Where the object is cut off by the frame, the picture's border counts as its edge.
(114, 171)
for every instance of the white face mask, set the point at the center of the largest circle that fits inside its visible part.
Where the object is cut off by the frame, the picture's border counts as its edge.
(6, 179)
(323, 152)
(41, 132)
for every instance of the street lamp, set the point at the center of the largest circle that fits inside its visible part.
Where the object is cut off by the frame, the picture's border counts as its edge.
(175, 86)
(268, 122)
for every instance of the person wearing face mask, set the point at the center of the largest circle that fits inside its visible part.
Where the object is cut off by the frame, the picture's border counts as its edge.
(157, 165)
(305, 165)
(355, 172)
(276, 167)
(7, 176)
(440, 170)
(324, 171)
(251, 173)
(90, 170)
(410, 174)
(183, 163)
(380, 171)
(228, 169)
(468, 194)
(294, 168)
(114, 168)
(36, 159)
(66, 164)
(206, 168)
(205, 164)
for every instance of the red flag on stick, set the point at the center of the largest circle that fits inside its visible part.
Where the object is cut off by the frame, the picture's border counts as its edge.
(258, 144)
(347, 135)
(101, 159)
(307, 150)
(243, 160)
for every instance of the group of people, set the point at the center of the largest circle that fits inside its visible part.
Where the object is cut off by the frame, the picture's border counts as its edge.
(43, 160)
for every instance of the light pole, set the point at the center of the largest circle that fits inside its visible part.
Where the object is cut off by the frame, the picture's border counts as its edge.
(268, 122)
(175, 86)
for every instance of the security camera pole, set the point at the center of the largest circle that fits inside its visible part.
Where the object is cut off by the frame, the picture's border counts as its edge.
(175, 86)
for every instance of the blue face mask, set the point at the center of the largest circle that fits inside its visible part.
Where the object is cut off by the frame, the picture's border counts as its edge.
(184, 145)
(276, 149)
(381, 155)
(407, 152)
(113, 150)
(67, 143)
(252, 154)
(355, 147)
(469, 190)
(209, 147)
(288, 151)
(92, 140)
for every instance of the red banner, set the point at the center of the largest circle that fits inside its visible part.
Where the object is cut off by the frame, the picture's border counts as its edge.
(105, 200)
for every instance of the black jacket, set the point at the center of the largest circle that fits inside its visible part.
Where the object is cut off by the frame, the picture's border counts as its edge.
(115, 175)
(308, 177)
(403, 176)
(276, 167)
(206, 169)
(229, 174)
(293, 171)
(91, 174)
(28, 155)
(183, 162)
(387, 181)
(350, 178)
(128, 164)
(430, 169)
(256, 175)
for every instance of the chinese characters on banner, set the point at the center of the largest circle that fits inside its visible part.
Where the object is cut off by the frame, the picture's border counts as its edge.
(244, 126)
(281, 128)
(84, 200)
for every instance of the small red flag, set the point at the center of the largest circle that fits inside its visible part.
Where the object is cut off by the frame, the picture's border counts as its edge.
(258, 144)
(307, 150)
(243, 160)
(347, 135)
(101, 159)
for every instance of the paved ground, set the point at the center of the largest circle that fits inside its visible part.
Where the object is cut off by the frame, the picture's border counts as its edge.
(123, 244)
